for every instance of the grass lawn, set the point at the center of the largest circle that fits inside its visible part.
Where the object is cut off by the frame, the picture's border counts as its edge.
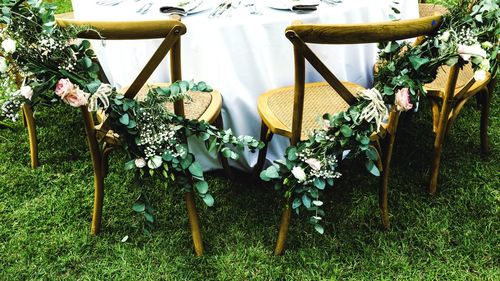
(45, 215)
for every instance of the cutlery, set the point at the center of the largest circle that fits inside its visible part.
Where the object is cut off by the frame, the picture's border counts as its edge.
(109, 2)
(223, 6)
(144, 9)
(169, 10)
(253, 8)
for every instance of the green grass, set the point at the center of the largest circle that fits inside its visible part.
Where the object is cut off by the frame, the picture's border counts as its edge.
(45, 216)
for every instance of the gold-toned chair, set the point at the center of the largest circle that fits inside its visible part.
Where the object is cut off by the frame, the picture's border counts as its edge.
(448, 93)
(204, 106)
(293, 111)
(446, 102)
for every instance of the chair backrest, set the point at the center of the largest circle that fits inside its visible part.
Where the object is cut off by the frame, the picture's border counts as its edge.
(300, 34)
(169, 29)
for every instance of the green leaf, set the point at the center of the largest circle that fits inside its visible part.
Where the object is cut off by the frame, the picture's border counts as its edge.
(319, 183)
(130, 165)
(372, 168)
(319, 228)
(270, 173)
(155, 162)
(292, 154)
(139, 207)
(306, 200)
(201, 187)
(417, 61)
(317, 203)
(208, 199)
(346, 131)
(196, 170)
(226, 152)
(124, 119)
(296, 203)
(371, 153)
(149, 217)
(213, 144)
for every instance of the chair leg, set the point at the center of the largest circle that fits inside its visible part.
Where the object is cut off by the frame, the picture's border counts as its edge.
(384, 180)
(193, 220)
(438, 146)
(265, 136)
(485, 112)
(104, 161)
(96, 157)
(453, 116)
(283, 231)
(219, 123)
(30, 125)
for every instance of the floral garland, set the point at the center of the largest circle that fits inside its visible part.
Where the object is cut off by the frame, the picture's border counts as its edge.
(311, 166)
(56, 67)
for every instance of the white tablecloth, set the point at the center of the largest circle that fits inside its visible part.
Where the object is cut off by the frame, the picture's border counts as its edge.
(242, 56)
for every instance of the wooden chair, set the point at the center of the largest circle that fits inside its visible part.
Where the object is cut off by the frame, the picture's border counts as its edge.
(447, 102)
(206, 106)
(448, 93)
(293, 111)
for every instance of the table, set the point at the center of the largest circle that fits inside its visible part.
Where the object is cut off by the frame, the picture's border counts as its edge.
(242, 56)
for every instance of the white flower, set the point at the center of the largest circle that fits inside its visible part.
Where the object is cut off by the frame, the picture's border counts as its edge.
(445, 36)
(9, 46)
(314, 163)
(479, 75)
(140, 162)
(299, 173)
(3, 65)
(26, 92)
(467, 51)
(486, 45)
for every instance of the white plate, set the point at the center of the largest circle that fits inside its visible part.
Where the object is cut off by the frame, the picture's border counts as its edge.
(188, 5)
(288, 4)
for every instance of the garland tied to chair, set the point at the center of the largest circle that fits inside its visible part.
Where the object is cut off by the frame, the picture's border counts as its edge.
(311, 166)
(53, 66)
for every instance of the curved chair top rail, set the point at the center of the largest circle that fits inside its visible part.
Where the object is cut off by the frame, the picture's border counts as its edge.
(123, 30)
(364, 33)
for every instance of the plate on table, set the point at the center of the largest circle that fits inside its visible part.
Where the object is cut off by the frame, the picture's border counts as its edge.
(288, 4)
(191, 6)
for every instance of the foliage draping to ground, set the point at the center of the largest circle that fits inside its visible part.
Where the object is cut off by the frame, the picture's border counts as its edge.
(45, 216)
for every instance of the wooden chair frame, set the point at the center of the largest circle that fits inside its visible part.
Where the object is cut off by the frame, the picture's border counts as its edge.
(171, 32)
(300, 34)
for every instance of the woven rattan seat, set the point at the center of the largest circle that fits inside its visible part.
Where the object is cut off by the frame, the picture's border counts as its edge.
(436, 87)
(200, 104)
(426, 10)
(276, 106)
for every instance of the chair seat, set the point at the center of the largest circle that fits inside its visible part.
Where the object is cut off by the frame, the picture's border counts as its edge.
(426, 10)
(203, 106)
(276, 107)
(437, 87)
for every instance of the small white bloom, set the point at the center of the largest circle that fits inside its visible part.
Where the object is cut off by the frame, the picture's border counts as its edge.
(3, 65)
(26, 92)
(445, 36)
(9, 46)
(314, 163)
(299, 173)
(140, 163)
(480, 75)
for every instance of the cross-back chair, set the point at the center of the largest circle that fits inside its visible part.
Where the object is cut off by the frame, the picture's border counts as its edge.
(204, 106)
(448, 93)
(293, 111)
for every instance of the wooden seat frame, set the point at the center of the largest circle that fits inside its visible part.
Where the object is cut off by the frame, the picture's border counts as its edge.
(300, 34)
(171, 32)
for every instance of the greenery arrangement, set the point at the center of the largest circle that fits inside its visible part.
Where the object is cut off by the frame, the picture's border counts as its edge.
(310, 167)
(55, 67)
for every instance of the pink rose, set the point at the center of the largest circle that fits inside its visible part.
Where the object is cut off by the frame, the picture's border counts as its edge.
(467, 51)
(402, 101)
(76, 98)
(64, 87)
